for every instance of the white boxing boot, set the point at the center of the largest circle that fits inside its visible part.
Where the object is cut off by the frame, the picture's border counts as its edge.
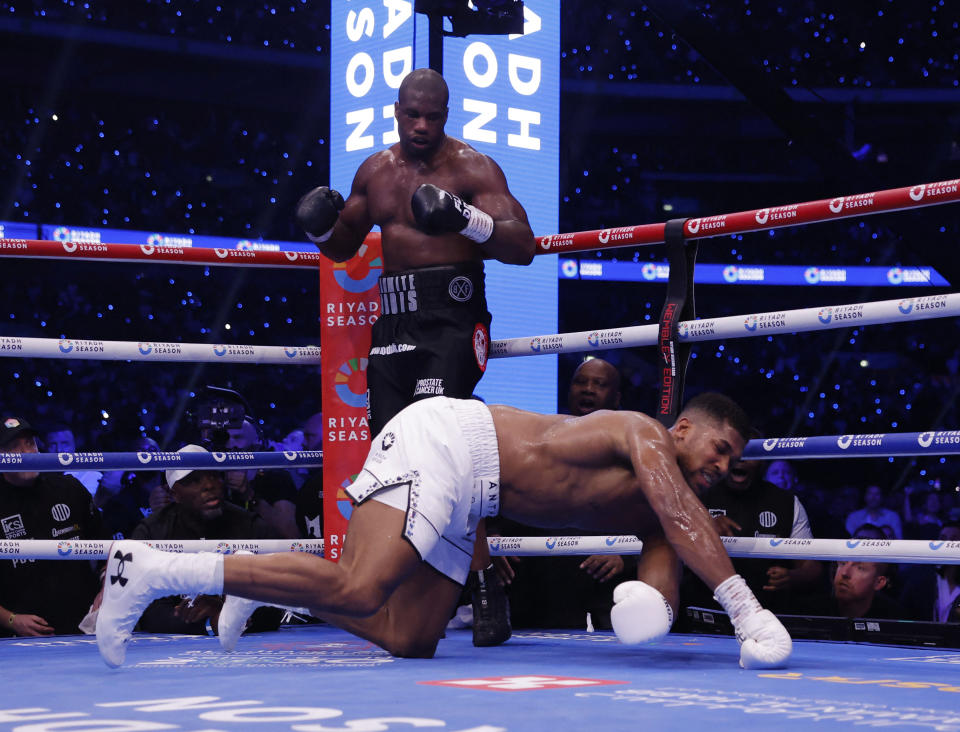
(136, 576)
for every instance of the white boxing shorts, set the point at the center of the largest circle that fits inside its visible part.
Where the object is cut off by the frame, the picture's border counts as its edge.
(437, 460)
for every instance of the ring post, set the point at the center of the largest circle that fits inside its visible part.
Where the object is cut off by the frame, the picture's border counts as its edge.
(678, 306)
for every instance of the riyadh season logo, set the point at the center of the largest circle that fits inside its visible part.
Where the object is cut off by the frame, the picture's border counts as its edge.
(770, 444)
(762, 215)
(290, 455)
(731, 273)
(360, 272)
(836, 205)
(569, 268)
(145, 348)
(812, 275)
(594, 339)
(693, 226)
(64, 548)
(906, 306)
(925, 439)
(683, 330)
(219, 456)
(144, 457)
(155, 240)
(220, 350)
(290, 352)
(65, 345)
(344, 503)
(354, 371)
(648, 271)
(550, 543)
(844, 441)
(916, 193)
(65, 458)
(825, 315)
(895, 276)
(148, 249)
(750, 323)
(222, 548)
(535, 344)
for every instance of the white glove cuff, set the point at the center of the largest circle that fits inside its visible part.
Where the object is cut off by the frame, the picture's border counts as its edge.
(736, 598)
(323, 237)
(480, 226)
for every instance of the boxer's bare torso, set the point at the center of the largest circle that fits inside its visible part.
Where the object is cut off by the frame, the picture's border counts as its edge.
(615, 472)
(386, 181)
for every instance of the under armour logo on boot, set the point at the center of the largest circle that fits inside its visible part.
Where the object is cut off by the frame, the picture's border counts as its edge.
(118, 577)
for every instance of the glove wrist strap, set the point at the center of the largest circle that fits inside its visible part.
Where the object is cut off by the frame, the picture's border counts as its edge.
(323, 237)
(480, 226)
(737, 599)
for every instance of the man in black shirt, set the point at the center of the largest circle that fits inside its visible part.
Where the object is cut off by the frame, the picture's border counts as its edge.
(744, 504)
(43, 597)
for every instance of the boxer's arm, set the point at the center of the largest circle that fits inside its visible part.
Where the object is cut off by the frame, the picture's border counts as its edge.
(353, 223)
(686, 524)
(512, 241)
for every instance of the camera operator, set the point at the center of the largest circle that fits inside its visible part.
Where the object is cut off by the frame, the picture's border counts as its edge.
(225, 422)
(271, 494)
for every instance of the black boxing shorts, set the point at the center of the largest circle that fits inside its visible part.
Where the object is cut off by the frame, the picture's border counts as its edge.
(431, 339)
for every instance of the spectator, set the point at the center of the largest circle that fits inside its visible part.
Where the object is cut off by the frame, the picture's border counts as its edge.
(293, 441)
(269, 493)
(783, 475)
(128, 502)
(559, 592)
(874, 512)
(39, 597)
(859, 589)
(933, 592)
(744, 504)
(60, 438)
(921, 513)
(198, 511)
(310, 497)
(595, 385)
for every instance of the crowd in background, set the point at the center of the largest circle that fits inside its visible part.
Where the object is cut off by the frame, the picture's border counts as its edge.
(130, 162)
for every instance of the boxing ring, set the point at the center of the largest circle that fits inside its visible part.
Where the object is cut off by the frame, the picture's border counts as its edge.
(538, 680)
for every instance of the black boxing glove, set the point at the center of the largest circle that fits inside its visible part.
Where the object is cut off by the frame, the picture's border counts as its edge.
(437, 211)
(317, 213)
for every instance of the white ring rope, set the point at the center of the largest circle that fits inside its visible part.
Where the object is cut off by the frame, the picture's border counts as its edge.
(738, 326)
(873, 550)
(803, 320)
(155, 351)
(50, 462)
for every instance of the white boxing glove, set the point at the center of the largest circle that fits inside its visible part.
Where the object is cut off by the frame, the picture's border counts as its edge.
(764, 642)
(640, 613)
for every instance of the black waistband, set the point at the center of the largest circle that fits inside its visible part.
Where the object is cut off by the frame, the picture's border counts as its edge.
(431, 288)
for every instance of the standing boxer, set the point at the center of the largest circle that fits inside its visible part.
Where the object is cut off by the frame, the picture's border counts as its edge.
(442, 208)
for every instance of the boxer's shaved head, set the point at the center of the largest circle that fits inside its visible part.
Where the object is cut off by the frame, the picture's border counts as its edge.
(424, 81)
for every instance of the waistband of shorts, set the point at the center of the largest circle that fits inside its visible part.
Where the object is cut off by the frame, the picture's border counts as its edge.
(476, 424)
(452, 285)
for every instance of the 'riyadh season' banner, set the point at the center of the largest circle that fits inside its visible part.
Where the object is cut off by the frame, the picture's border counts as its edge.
(504, 100)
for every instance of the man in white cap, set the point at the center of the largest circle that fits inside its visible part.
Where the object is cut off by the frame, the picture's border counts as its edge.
(197, 511)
